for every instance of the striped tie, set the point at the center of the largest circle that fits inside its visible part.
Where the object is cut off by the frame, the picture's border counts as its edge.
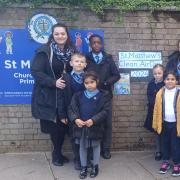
(97, 59)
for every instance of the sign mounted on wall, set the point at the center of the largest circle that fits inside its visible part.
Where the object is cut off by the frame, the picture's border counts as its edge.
(139, 64)
(16, 54)
(40, 27)
(123, 85)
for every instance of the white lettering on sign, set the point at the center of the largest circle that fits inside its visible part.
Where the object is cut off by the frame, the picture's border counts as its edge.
(12, 64)
(139, 60)
(142, 73)
(138, 64)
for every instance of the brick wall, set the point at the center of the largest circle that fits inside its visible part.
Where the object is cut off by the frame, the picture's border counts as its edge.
(138, 31)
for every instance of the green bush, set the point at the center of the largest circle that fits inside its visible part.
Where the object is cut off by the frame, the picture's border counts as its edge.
(100, 6)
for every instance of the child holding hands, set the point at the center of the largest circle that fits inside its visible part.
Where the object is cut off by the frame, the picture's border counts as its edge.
(78, 63)
(88, 111)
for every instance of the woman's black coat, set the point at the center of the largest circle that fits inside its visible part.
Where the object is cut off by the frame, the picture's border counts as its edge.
(96, 130)
(45, 95)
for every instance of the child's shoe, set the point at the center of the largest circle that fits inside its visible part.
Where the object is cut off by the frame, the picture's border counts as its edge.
(64, 158)
(94, 171)
(158, 156)
(83, 172)
(164, 168)
(57, 162)
(176, 170)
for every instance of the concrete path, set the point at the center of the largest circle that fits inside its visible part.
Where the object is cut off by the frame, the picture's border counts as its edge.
(122, 166)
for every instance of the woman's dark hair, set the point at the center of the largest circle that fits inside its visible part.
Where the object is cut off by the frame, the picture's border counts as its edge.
(68, 42)
(166, 73)
(92, 75)
(95, 36)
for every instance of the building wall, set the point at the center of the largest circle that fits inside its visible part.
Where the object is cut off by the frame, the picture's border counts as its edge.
(139, 31)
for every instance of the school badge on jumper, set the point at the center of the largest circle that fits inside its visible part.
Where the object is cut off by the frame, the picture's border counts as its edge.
(40, 27)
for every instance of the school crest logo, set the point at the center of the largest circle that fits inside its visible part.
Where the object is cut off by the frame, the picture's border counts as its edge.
(40, 27)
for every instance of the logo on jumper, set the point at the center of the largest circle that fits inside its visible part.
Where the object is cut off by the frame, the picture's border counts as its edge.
(40, 27)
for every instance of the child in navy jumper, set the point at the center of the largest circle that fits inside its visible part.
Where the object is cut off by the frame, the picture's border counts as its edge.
(153, 87)
(78, 63)
(88, 111)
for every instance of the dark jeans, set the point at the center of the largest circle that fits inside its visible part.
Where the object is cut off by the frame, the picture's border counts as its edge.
(170, 142)
(158, 140)
(57, 131)
(107, 136)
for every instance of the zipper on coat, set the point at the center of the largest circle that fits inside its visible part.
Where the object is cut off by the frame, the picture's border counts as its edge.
(50, 62)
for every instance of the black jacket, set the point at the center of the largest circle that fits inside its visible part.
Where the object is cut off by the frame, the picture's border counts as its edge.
(107, 71)
(45, 95)
(152, 90)
(96, 130)
(173, 60)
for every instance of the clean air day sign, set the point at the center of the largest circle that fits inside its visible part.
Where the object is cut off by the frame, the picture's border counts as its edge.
(138, 64)
(139, 60)
(16, 52)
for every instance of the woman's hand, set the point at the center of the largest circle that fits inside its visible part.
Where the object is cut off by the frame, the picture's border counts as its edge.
(60, 83)
(80, 123)
(64, 120)
(89, 122)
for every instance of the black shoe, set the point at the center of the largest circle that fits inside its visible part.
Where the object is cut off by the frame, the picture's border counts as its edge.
(83, 173)
(57, 162)
(65, 159)
(106, 154)
(158, 156)
(94, 171)
(77, 165)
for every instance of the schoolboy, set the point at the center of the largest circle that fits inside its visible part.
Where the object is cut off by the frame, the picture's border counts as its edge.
(75, 83)
(103, 64)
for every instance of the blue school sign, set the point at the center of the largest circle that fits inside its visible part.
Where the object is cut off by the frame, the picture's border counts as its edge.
(16, 52)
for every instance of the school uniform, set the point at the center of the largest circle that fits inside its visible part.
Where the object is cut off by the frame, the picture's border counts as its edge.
(166, 121)
(75, 84)
(95, 108)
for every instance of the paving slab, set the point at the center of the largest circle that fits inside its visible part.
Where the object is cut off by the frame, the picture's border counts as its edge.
(148, 162)
(24, 166)
(122, 166)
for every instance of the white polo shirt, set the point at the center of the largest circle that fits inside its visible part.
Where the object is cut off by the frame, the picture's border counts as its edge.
(169, 97)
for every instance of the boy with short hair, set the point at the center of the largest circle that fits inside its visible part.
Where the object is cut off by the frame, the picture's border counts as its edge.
(103, 64)
(78, 63)
(75, 83)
